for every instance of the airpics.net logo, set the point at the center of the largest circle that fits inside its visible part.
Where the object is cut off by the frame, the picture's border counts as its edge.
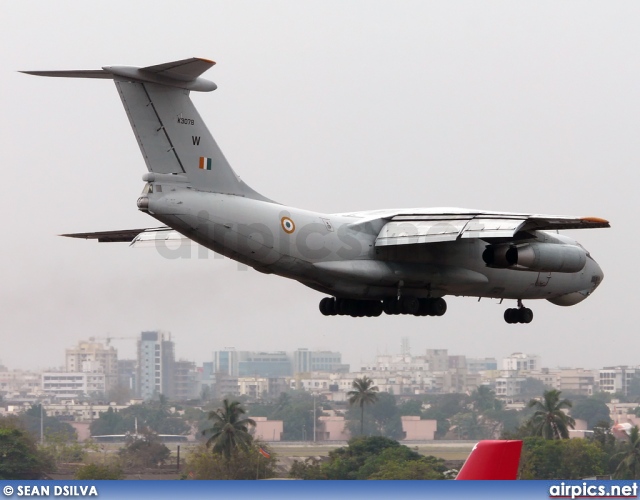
(587, 490)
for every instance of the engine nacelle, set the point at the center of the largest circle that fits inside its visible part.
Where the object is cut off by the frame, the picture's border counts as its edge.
(496, 256)
(541, 257)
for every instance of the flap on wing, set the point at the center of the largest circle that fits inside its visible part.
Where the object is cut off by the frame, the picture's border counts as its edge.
(152, 236)
(492, 227)
(431, 228)
(408, 232)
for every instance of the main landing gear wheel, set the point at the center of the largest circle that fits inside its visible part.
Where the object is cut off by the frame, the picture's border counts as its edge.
(415, 306)
(330, 306)
(518, 315)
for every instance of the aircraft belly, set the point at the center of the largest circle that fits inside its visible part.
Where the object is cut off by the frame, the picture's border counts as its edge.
(391, 273)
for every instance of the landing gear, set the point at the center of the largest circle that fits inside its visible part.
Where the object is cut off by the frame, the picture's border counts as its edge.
(330, 306)
(417, 307)
(520, 314)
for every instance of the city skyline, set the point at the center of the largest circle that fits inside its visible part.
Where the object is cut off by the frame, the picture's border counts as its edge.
(404, 347)
(94, 370)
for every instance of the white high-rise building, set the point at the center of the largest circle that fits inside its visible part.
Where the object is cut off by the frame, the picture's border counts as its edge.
(94, 357)
(519, 362)
(156, 366)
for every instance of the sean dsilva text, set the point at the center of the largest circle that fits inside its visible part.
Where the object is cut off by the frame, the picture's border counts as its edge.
(58, 491)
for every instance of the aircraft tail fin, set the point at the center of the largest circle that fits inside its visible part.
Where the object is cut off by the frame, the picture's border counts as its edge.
(172, 136)
(492, 459)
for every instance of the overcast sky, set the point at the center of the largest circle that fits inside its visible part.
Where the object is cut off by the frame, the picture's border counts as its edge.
(331, 106)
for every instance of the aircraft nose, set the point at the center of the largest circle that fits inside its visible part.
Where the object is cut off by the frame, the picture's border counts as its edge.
(597, 275)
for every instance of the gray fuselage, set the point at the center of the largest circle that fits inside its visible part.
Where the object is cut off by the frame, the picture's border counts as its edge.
(336, 253)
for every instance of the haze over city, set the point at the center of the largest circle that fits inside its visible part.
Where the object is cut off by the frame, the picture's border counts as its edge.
(332, 107)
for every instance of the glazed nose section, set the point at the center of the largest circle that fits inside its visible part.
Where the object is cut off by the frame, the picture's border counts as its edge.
(597, 275)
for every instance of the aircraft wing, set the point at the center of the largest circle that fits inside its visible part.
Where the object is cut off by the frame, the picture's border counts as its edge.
(135, 237)
(431, 227)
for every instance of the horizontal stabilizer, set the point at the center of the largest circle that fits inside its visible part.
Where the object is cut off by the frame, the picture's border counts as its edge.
(183, 74)
(135, 237)
(123, 235)
(185, 70)
(74, 73)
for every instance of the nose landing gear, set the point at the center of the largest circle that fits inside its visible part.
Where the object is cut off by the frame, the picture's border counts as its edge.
(520, 314)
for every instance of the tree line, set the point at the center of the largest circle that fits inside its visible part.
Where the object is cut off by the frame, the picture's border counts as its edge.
(228, 449)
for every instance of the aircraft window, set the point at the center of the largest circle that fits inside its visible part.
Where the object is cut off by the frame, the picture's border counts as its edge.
(158, 188)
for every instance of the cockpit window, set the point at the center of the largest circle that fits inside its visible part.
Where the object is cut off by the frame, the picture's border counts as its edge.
(585, 250)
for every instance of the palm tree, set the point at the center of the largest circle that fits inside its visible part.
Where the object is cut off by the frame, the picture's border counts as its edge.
(629, 467)
(230, 430)
(549, 421)
(484, 399)
(363, 393)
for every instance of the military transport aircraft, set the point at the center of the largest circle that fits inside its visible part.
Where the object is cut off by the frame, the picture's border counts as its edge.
(393, 261)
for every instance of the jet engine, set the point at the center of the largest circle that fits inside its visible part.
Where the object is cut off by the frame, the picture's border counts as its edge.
(541, 257)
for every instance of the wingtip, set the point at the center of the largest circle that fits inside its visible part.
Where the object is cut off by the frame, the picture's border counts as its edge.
(596, 221)
(206, 60)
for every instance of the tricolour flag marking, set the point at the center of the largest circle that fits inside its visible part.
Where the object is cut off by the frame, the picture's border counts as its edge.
(205, 163)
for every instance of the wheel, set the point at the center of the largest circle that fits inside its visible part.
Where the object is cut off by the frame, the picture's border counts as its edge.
(397, 307)
(409, 305)
(526, 315)
(324, 306)
(439, 307)
(341, 307)
(372, 308)
(510, 316)
(392, 306)
(387, 306)
(376, 308)
(424, 307)
(330, 306)
(351, 308)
